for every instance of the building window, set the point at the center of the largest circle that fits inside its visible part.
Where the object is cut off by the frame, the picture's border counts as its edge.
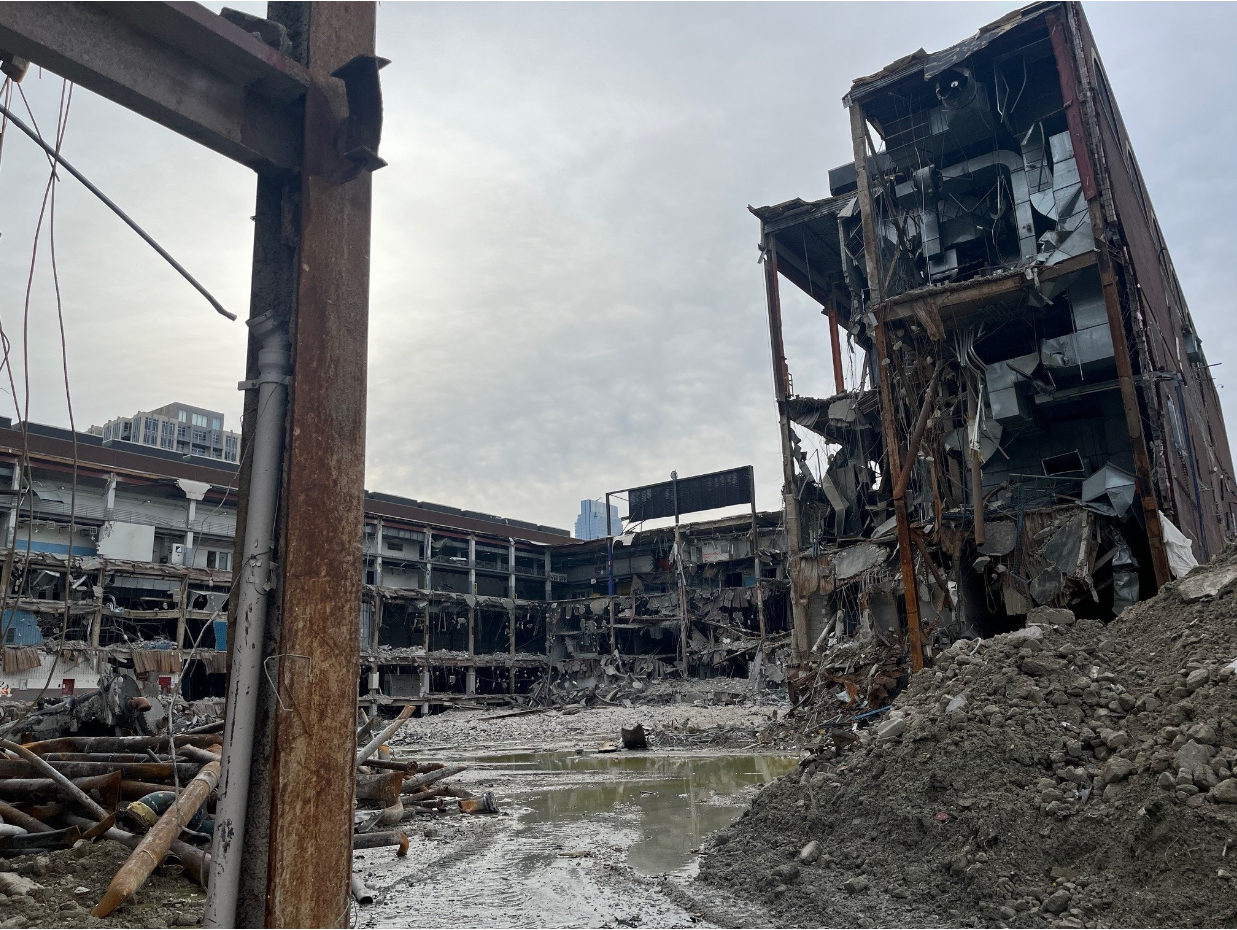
(199, 435)
(150, 431)
(218, 559)
(395, 545)
(180, 415)
(199, 419)
(214, 423)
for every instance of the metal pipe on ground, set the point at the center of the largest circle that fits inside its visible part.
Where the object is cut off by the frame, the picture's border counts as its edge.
(70, 790)
(153, 771)
(378, 840)
(360, 893)
(251, 610)
(372, 746)
(118, 743)
(21, 819)
(414, 784)
(155, 844)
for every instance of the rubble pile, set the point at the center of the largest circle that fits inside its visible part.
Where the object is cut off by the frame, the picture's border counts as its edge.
(1066, 774)
(644, 680)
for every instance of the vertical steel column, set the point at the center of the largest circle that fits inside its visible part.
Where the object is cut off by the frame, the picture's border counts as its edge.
(790, 497)
(871, 250)
(319, 648)
(835, 347)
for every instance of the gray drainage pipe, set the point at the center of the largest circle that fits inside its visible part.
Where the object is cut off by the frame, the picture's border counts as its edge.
(251, 606)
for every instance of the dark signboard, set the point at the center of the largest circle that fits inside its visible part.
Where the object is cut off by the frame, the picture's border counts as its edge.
(702, 492)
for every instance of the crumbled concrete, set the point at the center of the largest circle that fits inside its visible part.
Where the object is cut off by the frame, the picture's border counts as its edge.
(1089, 781)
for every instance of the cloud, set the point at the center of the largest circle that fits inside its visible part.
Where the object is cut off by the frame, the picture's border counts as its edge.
(565, 298)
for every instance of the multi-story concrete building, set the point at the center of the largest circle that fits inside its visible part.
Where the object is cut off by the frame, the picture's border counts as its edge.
(591, 522)
(456, 603)
(1036, 424)
(175, 428)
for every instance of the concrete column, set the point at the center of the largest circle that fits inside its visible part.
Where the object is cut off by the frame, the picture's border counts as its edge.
(378, 556)
(10, 534)
(549, 587)
(511, 612)
(429, 555)
(470, 675)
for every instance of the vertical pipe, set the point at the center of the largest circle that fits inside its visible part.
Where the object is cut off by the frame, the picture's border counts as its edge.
(977, 471)
(835, 346)
(250, 627)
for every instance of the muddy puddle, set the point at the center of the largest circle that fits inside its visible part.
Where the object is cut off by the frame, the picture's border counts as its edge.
(670, 802)
(579, 841)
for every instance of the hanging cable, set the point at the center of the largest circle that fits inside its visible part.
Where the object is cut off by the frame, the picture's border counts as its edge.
(38, 140)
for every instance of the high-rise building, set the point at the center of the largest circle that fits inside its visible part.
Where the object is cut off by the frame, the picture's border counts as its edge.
(176, 428)
(591, 523)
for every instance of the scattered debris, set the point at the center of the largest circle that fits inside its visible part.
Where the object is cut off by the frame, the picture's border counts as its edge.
(1088, 778)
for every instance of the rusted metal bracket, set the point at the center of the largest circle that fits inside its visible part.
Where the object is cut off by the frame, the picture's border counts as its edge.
(364, 126)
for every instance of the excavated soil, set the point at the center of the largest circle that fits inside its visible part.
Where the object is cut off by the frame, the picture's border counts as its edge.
(1069, 774)
(70, 882)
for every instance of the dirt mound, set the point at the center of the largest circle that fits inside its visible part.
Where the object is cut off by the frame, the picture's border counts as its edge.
(1067, 774)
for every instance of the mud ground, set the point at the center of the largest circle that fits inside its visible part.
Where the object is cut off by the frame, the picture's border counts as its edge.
(72, 881)
(584, 839)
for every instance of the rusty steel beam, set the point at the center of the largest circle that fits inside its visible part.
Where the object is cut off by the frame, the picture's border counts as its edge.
(871, 246)
(313, 758)
(175, 63)
(1069, 78)
(790, 498)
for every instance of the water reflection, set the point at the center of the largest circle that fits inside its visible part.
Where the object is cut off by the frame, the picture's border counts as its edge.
(671, 801)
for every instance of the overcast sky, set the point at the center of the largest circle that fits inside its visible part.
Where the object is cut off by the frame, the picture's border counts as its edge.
(565, 298)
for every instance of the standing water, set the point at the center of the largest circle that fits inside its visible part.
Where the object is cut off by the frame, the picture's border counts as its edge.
(578, 836)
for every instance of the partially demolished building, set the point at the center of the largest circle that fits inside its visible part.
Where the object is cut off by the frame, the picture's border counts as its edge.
(1036, 423)
(119, 557)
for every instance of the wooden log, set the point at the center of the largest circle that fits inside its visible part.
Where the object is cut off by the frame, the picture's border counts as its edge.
(156, 843)
(67, 787)
(414, 784)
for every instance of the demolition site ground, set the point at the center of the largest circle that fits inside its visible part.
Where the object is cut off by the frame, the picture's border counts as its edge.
(1069, 774)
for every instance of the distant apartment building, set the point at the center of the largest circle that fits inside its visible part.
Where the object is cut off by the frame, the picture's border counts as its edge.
(175, 428)
(591, 523)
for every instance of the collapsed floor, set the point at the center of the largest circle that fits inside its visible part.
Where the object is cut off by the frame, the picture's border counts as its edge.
(1066, 774)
